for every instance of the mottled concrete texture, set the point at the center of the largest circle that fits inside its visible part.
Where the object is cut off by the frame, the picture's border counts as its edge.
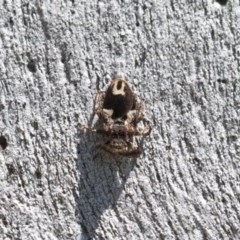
(182, 57)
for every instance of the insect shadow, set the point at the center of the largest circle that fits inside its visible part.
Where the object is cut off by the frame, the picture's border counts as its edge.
(101, 182)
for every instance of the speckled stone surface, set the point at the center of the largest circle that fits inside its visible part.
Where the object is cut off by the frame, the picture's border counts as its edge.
(182, 57)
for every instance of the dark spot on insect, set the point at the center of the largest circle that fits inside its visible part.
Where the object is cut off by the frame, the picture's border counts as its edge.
(32, 66)
(222, 2)
(3, 142)
(119, 85)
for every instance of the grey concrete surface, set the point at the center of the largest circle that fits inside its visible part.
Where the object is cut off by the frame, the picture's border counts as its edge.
(182, 57)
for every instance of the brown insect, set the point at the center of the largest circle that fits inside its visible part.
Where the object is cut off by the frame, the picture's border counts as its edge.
(119, 113)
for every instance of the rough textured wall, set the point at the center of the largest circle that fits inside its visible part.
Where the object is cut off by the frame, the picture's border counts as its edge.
(182, 57)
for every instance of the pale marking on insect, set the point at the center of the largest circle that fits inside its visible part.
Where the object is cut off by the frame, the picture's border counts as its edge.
(117, 91)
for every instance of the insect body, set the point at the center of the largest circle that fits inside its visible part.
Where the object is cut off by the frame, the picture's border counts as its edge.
(119, 98)
(119, 112)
